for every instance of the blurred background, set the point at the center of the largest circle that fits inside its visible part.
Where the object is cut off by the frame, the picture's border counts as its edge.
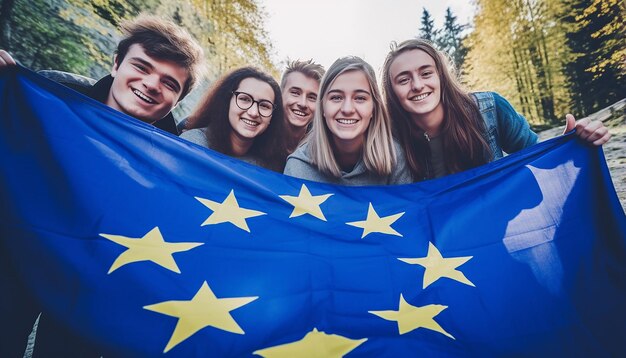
(548, 57)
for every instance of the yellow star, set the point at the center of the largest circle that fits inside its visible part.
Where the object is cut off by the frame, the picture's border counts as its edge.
(314, 344)
(150, 247)
(437, 266)
(203, 310)
(305, 203)
(411, 317)
(375, 223)
(228, 211)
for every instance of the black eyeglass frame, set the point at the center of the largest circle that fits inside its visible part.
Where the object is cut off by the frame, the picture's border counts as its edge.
(237, 93)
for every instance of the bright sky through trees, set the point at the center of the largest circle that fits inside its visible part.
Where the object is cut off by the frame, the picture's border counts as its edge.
(327, 29)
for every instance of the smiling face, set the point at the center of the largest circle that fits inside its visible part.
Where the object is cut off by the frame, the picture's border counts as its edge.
(246, 124)
(299, 98)
(144, 87)
(416, 84)
(348, 107)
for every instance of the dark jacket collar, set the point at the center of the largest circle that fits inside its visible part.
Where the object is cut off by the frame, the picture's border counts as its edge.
(100, 91)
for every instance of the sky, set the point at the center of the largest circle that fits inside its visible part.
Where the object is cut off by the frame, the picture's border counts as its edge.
(328, 29)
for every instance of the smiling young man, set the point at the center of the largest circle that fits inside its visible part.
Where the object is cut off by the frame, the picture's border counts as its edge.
(155, 66)
(299, 85)
(145, 87)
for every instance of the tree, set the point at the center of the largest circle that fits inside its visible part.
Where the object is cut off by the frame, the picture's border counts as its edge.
(99, 22)
(238, 37)
(80, 35)
(231, 32)
(450, 40)
(427, 27)
(597, 30)
(518, 48)
(46, 40)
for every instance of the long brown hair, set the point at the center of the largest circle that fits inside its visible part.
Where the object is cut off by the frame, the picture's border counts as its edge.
(462, 128)
(212, 112)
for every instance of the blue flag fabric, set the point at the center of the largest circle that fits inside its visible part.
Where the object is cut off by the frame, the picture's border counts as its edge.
(142, 244)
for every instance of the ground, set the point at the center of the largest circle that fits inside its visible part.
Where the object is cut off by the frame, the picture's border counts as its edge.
(615, 150)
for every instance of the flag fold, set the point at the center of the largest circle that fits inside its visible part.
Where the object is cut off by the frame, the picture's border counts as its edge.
(137, 243)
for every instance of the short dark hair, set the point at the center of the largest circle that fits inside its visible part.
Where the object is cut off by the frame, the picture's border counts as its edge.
(212, 112)
(163, 40)
(307, 68)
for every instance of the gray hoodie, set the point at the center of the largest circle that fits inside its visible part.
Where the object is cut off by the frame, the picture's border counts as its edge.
(299, 165)
(198, 136)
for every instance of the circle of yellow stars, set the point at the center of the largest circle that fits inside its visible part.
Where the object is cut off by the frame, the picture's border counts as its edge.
(205, 309)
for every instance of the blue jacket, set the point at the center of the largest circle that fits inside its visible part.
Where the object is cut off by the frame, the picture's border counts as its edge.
(507, 130)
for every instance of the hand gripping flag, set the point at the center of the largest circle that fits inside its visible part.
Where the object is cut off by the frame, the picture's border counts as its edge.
(132, 242)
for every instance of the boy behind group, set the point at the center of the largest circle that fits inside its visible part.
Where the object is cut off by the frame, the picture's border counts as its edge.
(299, 85)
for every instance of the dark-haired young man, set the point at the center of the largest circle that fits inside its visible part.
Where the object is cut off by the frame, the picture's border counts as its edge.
(156, 65)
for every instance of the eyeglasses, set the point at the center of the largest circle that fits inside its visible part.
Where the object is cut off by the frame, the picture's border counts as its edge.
(245, 101)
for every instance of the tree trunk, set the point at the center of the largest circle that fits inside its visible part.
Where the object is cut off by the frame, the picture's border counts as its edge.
(519, 84)
(539, 59)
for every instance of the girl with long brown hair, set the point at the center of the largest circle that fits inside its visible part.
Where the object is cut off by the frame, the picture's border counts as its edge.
(445, 130)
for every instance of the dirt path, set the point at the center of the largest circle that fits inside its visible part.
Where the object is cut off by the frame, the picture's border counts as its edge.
(614, 150)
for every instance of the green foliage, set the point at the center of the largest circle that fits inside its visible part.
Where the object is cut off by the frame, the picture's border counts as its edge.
(236, 35)
(550, 57)
(80, 36)
(98, 21)
(450, 40)
(42, 39)
(517, 48)
(597, 37)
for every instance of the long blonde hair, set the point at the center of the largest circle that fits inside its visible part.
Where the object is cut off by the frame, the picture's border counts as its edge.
(378, 151)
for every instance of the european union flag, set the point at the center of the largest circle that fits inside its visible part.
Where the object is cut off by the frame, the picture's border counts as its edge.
(138, 243)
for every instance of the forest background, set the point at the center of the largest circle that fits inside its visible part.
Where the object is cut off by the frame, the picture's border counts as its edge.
(548, 57)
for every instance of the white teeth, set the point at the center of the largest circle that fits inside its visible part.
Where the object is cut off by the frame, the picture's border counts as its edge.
(298, 112)
(420, 97)
(249, 122)
(143, 96)
(347, 121)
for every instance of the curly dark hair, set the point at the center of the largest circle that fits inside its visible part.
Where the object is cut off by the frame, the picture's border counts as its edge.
(212, 112)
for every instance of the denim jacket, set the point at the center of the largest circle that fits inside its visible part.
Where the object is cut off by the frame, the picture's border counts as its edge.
(506, 130)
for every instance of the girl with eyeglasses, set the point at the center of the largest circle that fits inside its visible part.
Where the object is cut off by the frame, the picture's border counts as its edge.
(445, 130)
(350, 142)
(242, 116)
